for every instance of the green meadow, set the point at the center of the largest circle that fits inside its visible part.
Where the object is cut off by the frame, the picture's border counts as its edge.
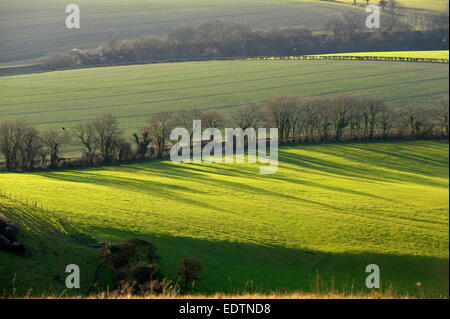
(330, 210)
(431, 5)
(133, 93)
(51, 245)
(400, 54)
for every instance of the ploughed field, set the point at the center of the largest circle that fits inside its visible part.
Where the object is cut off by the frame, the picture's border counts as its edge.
(331, 209)
(133, 93)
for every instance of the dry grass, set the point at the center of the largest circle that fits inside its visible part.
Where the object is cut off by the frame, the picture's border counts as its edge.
(173, 292)
(295, 295)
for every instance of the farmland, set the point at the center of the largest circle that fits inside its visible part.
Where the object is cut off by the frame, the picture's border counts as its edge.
(30, 29)
(133, 93)
(402, 54)
(330, 209)
(363, 152)
(436, 5)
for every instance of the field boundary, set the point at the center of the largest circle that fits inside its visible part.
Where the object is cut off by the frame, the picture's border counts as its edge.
(36, 68)
(356, 58)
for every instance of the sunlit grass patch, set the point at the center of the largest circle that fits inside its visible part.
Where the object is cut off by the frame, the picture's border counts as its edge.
(331, 208)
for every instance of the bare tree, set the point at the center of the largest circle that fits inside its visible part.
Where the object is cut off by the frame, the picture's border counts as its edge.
(443, 107)
(345, 27)
(310, 121)
(248, 115)
(121, 149)
(391, 18)
(85, 133)
(278, 112)
(9, 142)
(30, 144)
(159, 126)
(19, 144)
(142, 142)
(42, 154)
(358, 121)
(296, 113)
(52, 141)
(339, 114)
(213, 119)
(186, 118)
(372, 106)
(414, 120)
(106, 132)
(385, 122)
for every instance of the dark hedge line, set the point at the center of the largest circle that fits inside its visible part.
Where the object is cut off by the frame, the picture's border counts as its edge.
(220, 39)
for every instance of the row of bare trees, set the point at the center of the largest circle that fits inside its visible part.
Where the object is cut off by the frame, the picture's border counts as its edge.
(298, 119)
(353, 118)
(21, 144)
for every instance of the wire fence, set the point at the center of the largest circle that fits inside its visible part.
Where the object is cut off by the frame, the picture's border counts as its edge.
(36, 68)
(60, 216)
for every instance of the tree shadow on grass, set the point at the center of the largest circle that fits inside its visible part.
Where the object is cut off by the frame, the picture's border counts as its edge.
(167, 190)
(234, 267)
(219, 175)
(229, 266)
(374, 169)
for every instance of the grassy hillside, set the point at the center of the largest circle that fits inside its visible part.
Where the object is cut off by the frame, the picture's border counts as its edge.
(434, 5)
(51, 245)
(330, 208)
(29, 29)
(425, 4)
(133, 93)
(400, 54)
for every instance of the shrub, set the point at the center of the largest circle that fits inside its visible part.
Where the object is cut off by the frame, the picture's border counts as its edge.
(8, 229)
(130, 251)
(133, 262)
(189, 269)
(140, 277)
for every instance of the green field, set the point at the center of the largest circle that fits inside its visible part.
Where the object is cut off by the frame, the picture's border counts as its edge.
(330, 208)
(399, 54)
(51, 245)
(133, 93)
(425, 4)
(31, 28)
(435, 5)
